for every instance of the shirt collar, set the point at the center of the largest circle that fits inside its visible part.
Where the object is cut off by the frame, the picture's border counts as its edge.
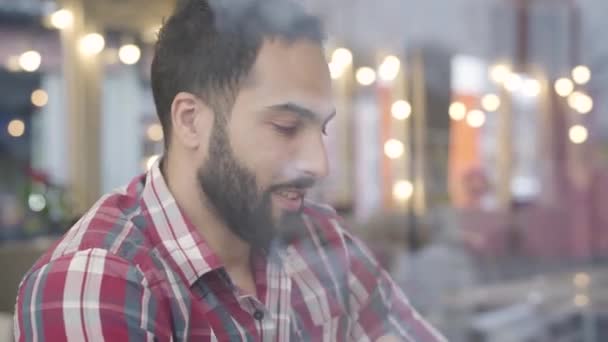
(179, 240)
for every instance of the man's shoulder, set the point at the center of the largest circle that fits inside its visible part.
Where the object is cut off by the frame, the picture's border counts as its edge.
(113, 225)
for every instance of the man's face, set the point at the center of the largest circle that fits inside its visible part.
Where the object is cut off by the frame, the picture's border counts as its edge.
(265, 156)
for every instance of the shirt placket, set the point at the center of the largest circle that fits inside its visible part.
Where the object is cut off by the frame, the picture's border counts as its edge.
(271, 317)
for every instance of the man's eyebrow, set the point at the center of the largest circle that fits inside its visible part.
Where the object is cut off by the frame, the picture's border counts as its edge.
(302, 112)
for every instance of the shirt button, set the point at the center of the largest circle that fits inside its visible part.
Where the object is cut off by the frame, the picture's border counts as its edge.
(258, 315)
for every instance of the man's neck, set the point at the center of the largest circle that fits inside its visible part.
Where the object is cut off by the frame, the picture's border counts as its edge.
(232, 251)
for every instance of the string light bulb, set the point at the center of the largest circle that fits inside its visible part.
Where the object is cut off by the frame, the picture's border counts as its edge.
(366, 76)
(582, 280)
(580, 102)
(39, 98)
(457, 111)
(578, 134)
(342, 57)
(155, 132)
(129, 54)
(499, 73)
(513, 82)
(403, 190)
(564, 87)
(490, 102)
(394, 149)
(531, 87)
(30, 61)
(389, 69)
(581, 300)
(401, 110)
(476, 118)
(92, 44)
(16, 128)
(62, 19)
(581, 74)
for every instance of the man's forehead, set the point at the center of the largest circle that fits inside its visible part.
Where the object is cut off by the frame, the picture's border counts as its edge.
(288, 73)
(279, 61)
(321, 105)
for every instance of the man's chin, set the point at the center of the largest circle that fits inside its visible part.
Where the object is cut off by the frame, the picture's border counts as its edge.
(290, 226)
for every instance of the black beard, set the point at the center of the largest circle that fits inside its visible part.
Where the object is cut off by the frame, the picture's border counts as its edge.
(233, 193)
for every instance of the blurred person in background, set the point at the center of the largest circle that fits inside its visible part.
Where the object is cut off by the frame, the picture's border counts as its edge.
(217, 240)
(453, 271)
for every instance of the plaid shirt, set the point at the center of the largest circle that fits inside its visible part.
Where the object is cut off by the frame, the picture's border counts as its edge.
(135, 268)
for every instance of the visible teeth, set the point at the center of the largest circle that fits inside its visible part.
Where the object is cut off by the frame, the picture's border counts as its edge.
(289, 195)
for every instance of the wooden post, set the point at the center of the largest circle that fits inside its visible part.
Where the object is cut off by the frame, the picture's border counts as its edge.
(82, 84)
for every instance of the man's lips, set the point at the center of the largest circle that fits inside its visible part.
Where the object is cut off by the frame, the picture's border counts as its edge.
(290, 198)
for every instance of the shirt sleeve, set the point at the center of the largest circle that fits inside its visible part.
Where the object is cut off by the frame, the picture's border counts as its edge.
(89, 296)
(378, 306)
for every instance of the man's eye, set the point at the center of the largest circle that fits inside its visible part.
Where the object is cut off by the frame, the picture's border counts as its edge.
(288, 130)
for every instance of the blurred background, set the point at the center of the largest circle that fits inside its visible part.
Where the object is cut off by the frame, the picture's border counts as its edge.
(470, 150)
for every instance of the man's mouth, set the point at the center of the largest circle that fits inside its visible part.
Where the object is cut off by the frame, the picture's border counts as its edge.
(290, 199)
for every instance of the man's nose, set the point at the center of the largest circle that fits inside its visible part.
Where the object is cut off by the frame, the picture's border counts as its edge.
(312, 159)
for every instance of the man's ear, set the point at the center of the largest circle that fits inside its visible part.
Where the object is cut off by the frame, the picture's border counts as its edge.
(191, 120)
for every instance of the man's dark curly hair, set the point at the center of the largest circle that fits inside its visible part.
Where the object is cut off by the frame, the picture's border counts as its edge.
(208, 47)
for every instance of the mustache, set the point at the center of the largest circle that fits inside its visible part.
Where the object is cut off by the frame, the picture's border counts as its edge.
(298, 183)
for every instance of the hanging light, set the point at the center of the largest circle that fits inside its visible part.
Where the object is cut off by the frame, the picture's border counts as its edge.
(531, 87)
(30, 61)
(499, 73)
(513, 82)
(581, 300)
(584, 104)
(342, 57)
(564, 87)
(403, 190)
(62, 19)
(401, 110)
(129, 54)
(36, 202)
(389, 69)
(335, 70)
(573, 99)
(582, 280)
(458, 111)
(366, 76)
(581, 74)
(92, 44)
(578, 134)
(490, 102)
(16, 128)
(39, 98)
(394, 149)
(155, 132)
(580, 102)
(476, 118)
